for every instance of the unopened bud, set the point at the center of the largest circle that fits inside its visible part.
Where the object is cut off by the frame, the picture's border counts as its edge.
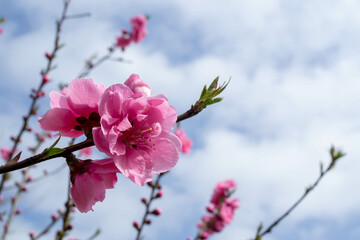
(147, 221)
(45, 79)
(54, 217)
(31, 234)
(204, 235)
(159, 194)
(18, 211)
(136, 224)
(157, 212)
(48, 55)
(143, 199)
(210, 208)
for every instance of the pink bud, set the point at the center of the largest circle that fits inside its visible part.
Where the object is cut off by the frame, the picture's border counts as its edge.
(189, 238)
(147, 221)
(204, 235)
(25, 189)
(210, 208)
(30, 129)
(135, 224)
(29, 179)
(45, 79)
(18, 211)
(143, 199)
(1, 198)
(69, 226)
(157, 212)
(31, 234)
(159, 194)
(12, 198)
(54, 216)
(48, 55)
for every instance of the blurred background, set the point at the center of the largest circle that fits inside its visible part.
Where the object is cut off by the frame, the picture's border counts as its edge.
(294, 69)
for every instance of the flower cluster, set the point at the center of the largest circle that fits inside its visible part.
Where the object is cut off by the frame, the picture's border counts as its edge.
(125, 122)
(221, 210)
(137, 33)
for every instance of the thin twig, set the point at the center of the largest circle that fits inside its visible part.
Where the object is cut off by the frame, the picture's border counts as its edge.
(152, 196)
(49, 67)
(335, 155)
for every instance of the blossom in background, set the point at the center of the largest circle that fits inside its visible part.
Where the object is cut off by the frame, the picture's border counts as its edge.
(74, 109)
(90, 179)
(1, 31)
(221, 211)
(135, 130)
(86, 152)
(185, 140)
(123, 41)
(137, 33)
(5, 153)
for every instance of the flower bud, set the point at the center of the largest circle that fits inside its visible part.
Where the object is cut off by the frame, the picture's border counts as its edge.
(45, 79)
(204, 235)
(143, 200)
(18, 211)
(159, 194)
(48, 55)
(136, 224)
(54, 217)
(157, 212)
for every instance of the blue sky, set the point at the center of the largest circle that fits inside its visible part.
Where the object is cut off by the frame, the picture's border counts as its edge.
(294, 68)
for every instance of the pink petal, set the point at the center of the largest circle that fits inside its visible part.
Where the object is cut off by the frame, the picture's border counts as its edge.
(84, 96)
(59, 119)
(166, 154)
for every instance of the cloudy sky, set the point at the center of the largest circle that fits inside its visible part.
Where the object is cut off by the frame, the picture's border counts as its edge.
(294, 69)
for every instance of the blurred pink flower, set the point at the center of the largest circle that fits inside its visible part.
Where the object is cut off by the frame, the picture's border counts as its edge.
(90, 179)
(1, 31)
(185, 140)
(136, 132)
(138, 31)
(5, 153)
(222, 191)
(73, 109)
(123, 41)
(86, 152)
(222, 210)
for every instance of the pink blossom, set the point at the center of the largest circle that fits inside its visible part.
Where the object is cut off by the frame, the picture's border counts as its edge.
(185, 140)
(222, 191)
(136, 132)
(5, 153)
(74, 109)
(90, 179)
(1, 31)
(222, 211)
(86, 152)
(123, 41)
(137, 85)
(138, 31)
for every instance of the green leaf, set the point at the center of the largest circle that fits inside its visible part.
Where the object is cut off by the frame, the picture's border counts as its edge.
(215, 100)
(54, 151)
(2, 20)
(214, 84)
(203, 92)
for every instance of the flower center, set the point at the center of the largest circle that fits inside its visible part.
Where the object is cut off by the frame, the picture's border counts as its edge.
(138, 137)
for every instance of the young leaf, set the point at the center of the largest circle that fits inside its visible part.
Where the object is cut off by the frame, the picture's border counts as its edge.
(53, 151)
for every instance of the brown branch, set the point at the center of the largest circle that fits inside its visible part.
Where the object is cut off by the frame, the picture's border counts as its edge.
(153, 195)
(335, 155)
(35, 97)
(41, 157)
